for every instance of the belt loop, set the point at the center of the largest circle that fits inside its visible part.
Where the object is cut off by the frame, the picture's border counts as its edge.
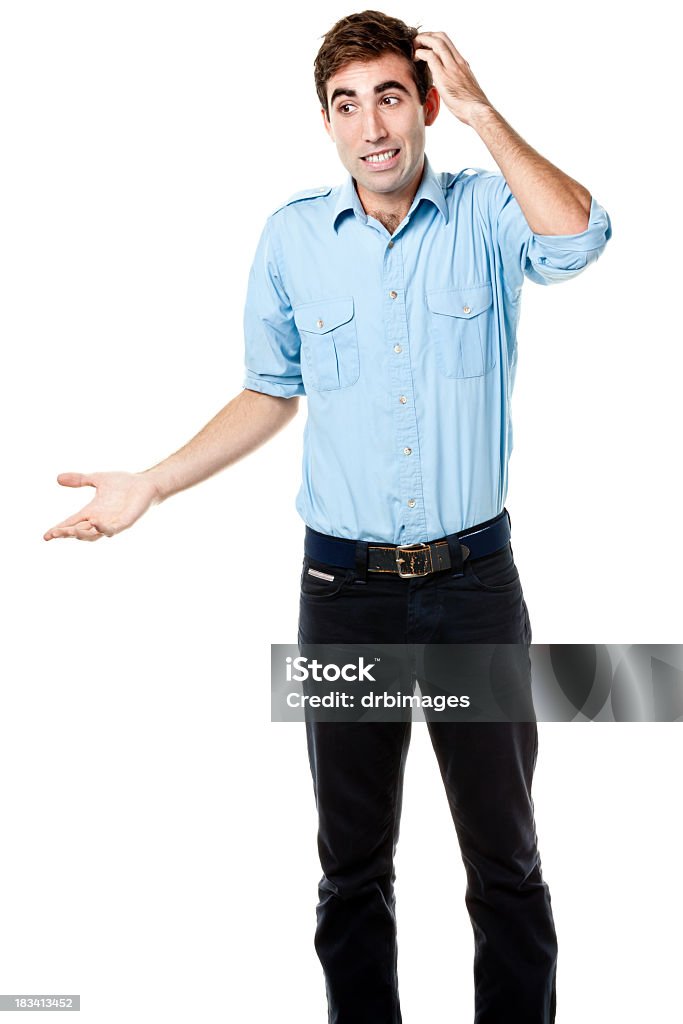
(455, 551)
(361, 561)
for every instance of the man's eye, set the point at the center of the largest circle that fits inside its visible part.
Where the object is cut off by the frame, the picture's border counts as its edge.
(342, 107)
(393, 100)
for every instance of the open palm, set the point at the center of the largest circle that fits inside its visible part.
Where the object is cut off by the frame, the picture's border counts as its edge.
(120, 499)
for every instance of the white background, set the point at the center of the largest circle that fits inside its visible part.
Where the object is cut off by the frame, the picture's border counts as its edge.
(158, 832)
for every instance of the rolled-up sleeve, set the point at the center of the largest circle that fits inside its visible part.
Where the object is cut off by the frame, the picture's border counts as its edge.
(271, 340)
(545, 259)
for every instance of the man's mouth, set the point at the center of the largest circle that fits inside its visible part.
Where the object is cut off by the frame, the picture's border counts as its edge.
(382, 156)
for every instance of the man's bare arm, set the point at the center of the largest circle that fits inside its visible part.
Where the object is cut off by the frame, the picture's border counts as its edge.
(551, 201)
(242, 426)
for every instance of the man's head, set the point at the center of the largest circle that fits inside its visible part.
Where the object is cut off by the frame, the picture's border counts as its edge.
(376, 98)
(366, 36)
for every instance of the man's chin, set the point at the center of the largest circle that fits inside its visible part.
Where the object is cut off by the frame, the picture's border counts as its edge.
(375, 183)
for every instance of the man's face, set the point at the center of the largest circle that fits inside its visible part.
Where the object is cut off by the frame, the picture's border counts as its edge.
(375, 109)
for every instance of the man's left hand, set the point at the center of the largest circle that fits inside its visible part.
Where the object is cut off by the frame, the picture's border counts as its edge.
(452, 76)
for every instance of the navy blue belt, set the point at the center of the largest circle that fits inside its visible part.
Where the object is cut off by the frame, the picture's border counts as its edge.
(413, 559)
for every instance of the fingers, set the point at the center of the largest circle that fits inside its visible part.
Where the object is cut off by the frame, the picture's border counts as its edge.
(428, 55)
(79, 526)
(83, 530)
(440, 44)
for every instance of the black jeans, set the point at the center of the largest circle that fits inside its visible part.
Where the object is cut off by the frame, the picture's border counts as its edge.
(487, 770)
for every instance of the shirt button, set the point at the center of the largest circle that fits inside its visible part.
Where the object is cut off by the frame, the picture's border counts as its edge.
(466, 309)
(398, 348)
(407, 451)
(393, 295)
(390, 245)
(411, 502)
(403, 399)
(320, 323)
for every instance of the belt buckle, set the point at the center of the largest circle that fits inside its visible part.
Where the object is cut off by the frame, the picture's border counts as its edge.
(413, 548)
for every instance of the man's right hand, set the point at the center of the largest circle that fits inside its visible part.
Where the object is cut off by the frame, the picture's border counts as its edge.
(243, 425)
(120, 499)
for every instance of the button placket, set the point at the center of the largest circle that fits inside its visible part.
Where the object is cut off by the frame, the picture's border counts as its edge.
(401, 383)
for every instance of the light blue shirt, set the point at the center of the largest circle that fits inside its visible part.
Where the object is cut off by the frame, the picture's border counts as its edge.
(404, 345)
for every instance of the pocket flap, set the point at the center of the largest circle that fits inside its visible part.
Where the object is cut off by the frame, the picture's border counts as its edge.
(462, 302)
(323, 316)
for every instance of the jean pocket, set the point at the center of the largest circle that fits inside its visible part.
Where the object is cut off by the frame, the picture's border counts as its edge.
(494, 572)
(329, 343)
(321, 581)
(461, 327)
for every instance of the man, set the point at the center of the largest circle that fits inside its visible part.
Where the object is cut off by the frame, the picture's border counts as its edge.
(391, 302)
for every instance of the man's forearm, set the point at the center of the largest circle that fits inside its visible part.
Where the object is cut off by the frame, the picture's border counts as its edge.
(551, 201)
(243, 425)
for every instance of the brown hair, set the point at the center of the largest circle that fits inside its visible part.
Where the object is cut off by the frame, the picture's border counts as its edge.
(366, 36)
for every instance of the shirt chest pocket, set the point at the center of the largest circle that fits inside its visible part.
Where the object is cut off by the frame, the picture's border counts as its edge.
(461, 327)
(329, 343)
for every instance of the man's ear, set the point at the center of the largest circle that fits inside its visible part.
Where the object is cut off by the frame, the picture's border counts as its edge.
(431, 105)
(326, 122)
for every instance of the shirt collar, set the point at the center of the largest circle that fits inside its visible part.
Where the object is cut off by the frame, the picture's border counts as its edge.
(429, 188)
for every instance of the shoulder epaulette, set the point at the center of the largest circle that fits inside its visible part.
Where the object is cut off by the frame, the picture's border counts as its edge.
(468, 172)
(306, 193)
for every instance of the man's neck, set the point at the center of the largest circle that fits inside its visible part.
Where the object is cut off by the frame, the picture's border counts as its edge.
(390, 210)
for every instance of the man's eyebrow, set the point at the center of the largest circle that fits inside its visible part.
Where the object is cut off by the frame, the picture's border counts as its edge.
(382, 87)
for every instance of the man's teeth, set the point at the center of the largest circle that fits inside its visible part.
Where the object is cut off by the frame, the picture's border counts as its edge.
(381, 157)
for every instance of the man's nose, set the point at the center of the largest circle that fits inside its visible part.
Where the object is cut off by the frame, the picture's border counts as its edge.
(373, 126)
